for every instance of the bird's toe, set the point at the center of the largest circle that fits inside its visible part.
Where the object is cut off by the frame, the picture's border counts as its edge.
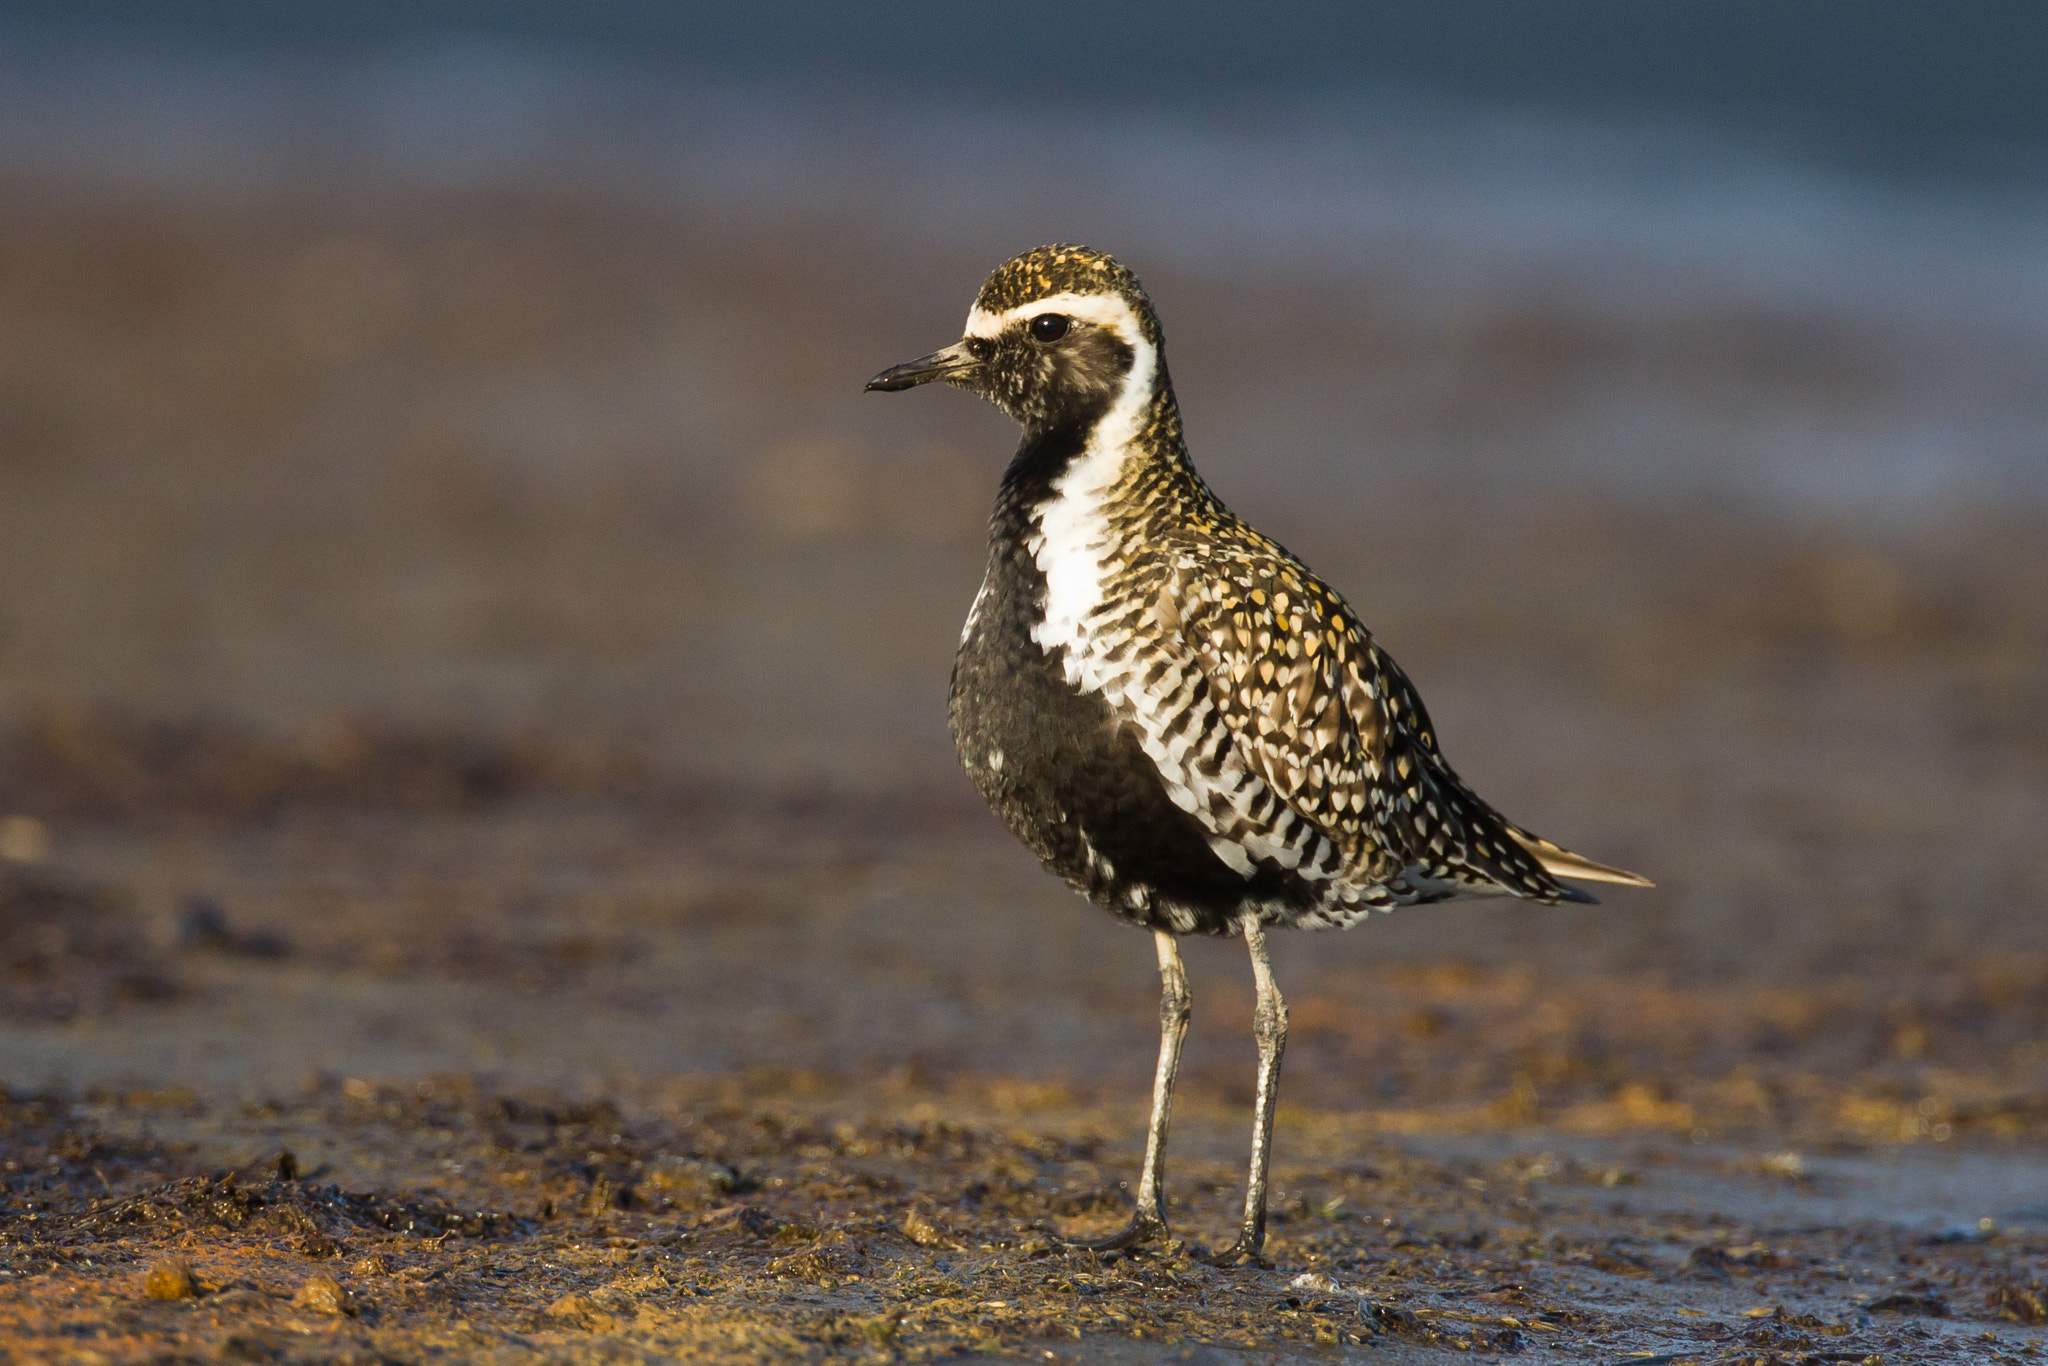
(1141, 1231)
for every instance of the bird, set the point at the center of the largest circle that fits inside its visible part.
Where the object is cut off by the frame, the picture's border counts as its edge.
(1172, 712)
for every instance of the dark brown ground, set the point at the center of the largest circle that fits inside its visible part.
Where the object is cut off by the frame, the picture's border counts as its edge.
(471, 695)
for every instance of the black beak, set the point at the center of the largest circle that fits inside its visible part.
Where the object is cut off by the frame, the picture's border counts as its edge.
(923, 370)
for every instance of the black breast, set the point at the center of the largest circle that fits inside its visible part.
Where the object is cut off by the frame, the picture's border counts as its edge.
(1070, 780)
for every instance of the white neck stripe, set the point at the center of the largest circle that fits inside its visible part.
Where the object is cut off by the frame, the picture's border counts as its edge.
(1073, 533)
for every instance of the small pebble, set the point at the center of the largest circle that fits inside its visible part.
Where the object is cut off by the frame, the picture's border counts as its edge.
(689, 1174)
(316, 1245)
(919, 1228)
(324, 1295)
(170, 1280)
(571, 1306)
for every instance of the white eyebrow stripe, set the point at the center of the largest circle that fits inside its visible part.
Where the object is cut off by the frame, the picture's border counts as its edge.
(1104, 310)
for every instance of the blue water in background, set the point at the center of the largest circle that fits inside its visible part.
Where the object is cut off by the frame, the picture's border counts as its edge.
(1864, 163)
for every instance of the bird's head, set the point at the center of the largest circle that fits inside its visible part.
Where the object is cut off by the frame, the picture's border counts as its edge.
(1056, 337)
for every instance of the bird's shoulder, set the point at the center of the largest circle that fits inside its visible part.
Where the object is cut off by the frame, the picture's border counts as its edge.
(1317, 709)
(1286, 639)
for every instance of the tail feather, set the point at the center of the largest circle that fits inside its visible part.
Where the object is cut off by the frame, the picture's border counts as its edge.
(1561, 862)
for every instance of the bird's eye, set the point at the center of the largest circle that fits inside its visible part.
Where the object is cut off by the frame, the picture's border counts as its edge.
(1049, 327)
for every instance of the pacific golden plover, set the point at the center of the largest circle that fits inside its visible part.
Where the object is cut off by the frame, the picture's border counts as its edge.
(1169, 709)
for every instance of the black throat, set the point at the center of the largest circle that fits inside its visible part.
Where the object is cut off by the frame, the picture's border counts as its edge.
(1042, 457)
(1054, 441)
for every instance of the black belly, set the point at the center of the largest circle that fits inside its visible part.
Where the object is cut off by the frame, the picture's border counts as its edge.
(1072, 778)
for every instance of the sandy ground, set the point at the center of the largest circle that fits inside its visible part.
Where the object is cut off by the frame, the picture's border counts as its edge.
(471, 716)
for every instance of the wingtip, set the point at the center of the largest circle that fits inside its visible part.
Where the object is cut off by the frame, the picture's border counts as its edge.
(1561, 862)
(1586, 870)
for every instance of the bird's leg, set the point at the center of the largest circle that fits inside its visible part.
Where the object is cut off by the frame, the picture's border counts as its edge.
(1175, 1006)
(1148, 1223)
(1269, 1027)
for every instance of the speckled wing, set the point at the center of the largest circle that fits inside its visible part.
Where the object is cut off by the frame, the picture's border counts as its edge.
(1283, 661)
(1331, 725)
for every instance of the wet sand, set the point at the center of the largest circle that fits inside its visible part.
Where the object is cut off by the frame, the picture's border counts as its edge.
(471, 714)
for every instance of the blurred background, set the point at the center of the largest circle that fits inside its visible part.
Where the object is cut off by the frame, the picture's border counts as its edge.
(459, 613)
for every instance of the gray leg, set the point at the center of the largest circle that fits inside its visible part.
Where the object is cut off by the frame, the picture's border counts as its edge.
(1175, 1006)
(1148, 1223)
(1269, 1027)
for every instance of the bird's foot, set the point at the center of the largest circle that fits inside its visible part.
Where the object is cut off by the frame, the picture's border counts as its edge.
(1243, 1251)
(1143, 1229)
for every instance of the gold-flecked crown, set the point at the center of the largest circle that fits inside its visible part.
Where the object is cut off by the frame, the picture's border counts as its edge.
(1065, 268)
